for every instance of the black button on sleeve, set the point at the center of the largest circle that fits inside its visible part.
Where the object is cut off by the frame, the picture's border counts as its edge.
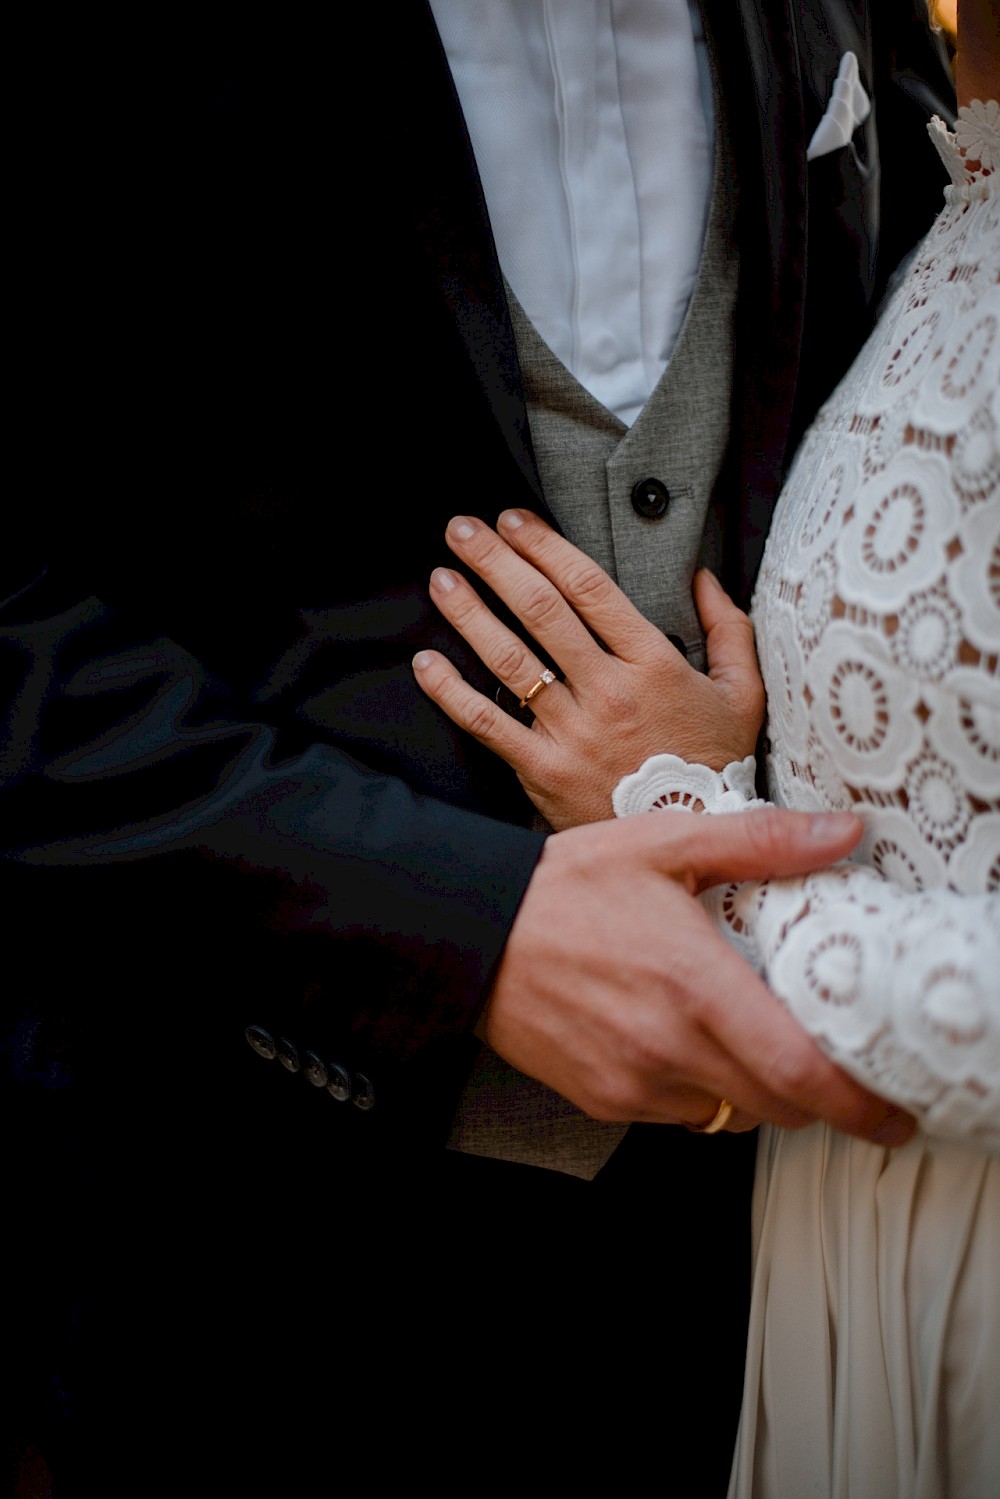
(364, 1093)
(650, 499)
(262, 1042)
(315, 1070)
(288, 1054)
(339, 1086)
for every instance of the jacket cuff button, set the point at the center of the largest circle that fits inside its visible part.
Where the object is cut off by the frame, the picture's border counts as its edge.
(262, 1042)
(288, 1054)
(315, 1070)
(339, 1086)
(364, 1093)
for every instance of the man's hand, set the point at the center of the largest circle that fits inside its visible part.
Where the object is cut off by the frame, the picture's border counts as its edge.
(616, 990)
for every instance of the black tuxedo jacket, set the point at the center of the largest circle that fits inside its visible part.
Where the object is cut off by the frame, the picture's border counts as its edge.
(269, 357)
(266, 357)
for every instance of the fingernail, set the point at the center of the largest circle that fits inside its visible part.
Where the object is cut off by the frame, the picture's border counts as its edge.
(443, 579)
(896, 1129)
(707, 571)
(421, 659)
(462, 528)
(827, 827)
(510, 519)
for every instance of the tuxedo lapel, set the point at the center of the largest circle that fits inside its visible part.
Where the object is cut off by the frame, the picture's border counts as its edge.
(456, 239)
(454, 234)
(762, 89)
(762, 80)
(807, 239)
(776, 130)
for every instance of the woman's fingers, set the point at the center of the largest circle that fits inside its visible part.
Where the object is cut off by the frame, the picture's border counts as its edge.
(556, 591)
(502, 652)
(536, 602)
(729, 644)
(593, 595)
(476, 714)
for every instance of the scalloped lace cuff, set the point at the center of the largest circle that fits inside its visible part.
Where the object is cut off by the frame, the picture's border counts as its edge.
(666, 783)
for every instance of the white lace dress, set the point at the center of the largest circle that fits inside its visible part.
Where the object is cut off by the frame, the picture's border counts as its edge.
(874, 1353)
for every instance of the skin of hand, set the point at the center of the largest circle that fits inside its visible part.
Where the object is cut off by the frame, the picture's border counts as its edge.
(977, 61)
(614, 987)
(616, 990)
(621, 697)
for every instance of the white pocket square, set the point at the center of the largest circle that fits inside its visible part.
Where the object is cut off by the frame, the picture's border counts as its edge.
(849, 106)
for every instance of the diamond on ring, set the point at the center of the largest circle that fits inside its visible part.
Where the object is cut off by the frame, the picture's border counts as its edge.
(543, 681)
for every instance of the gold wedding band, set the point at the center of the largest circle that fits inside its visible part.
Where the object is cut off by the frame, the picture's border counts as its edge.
(718, 1121)
(543, 681)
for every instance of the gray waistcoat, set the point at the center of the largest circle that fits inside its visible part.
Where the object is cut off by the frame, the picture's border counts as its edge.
(590, 463)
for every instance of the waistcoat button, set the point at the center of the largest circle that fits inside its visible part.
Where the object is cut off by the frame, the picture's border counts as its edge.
(650, 499)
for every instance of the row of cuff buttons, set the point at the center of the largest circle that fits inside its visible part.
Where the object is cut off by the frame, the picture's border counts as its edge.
(337, 1081)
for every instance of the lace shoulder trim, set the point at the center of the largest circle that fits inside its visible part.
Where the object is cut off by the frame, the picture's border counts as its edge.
(970, 152)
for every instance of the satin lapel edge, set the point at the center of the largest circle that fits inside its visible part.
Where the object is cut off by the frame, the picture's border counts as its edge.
(454, 230)
(765, 81)
(772, 42)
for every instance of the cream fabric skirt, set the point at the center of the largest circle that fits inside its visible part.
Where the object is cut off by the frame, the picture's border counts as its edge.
(873, 1369)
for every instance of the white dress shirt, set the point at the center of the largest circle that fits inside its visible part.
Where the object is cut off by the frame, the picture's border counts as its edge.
(592, 129)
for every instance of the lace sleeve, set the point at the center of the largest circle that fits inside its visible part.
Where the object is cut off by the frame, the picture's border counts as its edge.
(877, 621)
(900, 988)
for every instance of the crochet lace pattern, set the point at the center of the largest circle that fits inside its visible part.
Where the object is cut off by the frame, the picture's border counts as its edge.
(877, 619)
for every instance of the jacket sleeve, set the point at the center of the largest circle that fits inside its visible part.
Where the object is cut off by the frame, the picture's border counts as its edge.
(243, 419)
(184, 848)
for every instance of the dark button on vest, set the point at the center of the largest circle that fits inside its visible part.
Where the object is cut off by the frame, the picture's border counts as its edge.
(650, 498)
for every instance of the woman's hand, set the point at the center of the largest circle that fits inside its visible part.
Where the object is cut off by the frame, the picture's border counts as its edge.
(609, 708)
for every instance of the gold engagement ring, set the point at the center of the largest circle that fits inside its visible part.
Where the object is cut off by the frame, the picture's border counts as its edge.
(718, 1121)
(543, 681)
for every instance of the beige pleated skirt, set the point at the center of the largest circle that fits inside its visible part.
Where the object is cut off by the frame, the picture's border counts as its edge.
(873, 1369)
